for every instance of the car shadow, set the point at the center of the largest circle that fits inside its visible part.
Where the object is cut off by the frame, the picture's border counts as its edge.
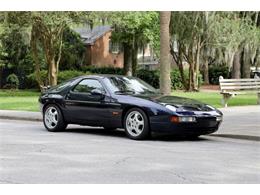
(97, 131)
(175, 138)
(234, 136)
(120, 133)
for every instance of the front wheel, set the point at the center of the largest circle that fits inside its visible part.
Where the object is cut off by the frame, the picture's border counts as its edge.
(53, 119)
(136, 124)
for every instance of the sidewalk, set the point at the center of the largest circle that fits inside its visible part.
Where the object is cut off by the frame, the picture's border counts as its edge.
(20, 115)
(37, 116)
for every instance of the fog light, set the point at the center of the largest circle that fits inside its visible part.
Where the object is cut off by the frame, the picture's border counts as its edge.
(187, 119)
(219, 118)
(183, 119)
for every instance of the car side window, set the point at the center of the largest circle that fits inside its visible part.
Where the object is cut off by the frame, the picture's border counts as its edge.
(87, 85)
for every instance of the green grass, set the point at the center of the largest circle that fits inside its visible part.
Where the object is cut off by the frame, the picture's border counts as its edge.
(28, 99)
(214, 98)
(19, 100)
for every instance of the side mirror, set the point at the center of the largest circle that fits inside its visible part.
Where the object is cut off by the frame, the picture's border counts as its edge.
(97, 92)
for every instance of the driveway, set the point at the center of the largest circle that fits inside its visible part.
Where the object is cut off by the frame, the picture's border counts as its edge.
(30, 154)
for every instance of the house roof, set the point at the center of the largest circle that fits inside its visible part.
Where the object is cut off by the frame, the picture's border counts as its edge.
(89, 36)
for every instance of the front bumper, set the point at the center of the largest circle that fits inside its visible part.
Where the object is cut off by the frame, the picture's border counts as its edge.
(202, 126)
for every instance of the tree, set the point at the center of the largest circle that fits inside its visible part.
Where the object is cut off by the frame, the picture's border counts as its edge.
(134, 30)
(47, 31)
(165, 80)
(186, 35)
(46, 36)
(237, 38)
(73, 50)
(15, 50)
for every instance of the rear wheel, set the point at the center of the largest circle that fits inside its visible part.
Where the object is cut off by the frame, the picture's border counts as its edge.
(53, 119)
(136, 124)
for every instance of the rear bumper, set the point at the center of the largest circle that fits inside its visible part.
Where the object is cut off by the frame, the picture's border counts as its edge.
(202, 126)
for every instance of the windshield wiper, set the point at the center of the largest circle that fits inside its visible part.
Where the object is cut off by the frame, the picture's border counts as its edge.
(124, 91)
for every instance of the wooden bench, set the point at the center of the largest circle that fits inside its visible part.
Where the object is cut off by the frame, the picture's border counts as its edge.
(232, 87)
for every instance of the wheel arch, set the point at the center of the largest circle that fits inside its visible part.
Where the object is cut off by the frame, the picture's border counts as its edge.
(53, 103)
(126, 109)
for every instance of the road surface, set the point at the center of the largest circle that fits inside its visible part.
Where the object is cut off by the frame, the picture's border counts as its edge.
(30, 154)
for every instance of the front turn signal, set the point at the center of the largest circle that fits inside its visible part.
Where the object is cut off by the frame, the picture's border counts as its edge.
(175, 119)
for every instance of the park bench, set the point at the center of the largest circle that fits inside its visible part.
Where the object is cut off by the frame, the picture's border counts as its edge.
(232, 87)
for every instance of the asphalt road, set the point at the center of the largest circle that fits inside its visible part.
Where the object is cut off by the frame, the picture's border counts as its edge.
(30, 154)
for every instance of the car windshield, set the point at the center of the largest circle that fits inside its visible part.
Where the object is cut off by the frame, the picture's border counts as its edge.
(129, 85)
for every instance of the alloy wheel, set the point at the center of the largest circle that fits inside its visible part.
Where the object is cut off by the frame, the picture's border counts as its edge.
(135, 123)
(51, 117)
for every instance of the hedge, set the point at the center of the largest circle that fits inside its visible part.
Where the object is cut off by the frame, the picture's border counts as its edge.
(62, 76)
(150, 76)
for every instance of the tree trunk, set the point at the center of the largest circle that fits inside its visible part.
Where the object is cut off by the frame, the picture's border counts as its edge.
(246, 62)
(1, 76)
(197, 65)
(205, 50)
(178, 58)
(134, 58)
(35, 57)
(128, 60)
(206, 71)
(165, 79)
(181, 69)
(53, 72)
(191, 77)
(236, 74)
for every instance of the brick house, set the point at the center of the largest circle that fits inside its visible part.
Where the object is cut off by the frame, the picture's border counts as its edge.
(101, 51)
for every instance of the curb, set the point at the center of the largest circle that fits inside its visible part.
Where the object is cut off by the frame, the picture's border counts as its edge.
(21, 118)
(20, 115)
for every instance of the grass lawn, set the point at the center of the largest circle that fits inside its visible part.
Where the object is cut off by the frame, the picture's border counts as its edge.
(19, 100)
(214, 98)
(28, 100)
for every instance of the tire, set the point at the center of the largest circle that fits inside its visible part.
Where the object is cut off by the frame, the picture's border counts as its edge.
(53, 119)
(136, 124)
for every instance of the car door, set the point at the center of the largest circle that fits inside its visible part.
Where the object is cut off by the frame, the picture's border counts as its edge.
(83, 107)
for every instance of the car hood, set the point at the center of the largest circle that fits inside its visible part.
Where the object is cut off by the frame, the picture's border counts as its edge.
(181, 103)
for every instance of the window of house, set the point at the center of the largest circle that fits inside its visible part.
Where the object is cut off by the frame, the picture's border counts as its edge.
(114, 47)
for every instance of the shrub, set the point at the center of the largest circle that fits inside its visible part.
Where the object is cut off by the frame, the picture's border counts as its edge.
(216, 71)
(31, 81)
(69, 74)
(150, 76)
(153, 78)
(12, 81)
(176, 79)
(62, 76)
(103, 70)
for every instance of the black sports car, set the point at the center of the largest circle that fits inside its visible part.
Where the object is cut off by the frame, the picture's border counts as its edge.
(113, 101)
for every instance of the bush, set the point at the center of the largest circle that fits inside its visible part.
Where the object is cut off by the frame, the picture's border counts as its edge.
(12, 82)
(153, 78)
(103, 70)
(69, 74)
(176, 79)
(215, 72)
(62, 76)
(31, 81)
(150, 76)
